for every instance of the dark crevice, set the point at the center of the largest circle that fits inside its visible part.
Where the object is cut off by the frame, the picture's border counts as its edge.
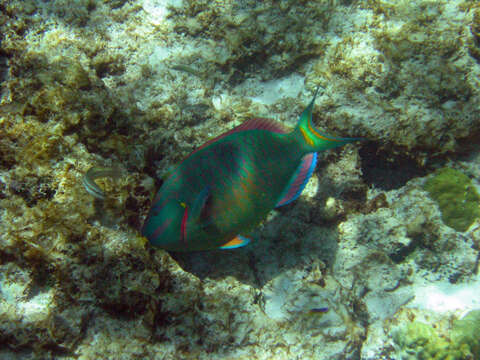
(468, 145)
(393, 168)
(386, 171)
(3, 67)
(403, 252)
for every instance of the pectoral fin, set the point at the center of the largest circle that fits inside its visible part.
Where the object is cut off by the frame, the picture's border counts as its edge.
(195, 213)
(200, 206)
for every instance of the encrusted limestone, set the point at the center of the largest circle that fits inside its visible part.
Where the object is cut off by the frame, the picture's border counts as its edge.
(139, 84)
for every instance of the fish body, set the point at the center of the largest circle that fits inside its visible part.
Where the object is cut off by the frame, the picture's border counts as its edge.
(229, 185)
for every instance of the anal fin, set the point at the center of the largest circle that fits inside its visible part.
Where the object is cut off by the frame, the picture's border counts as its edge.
(236, 242)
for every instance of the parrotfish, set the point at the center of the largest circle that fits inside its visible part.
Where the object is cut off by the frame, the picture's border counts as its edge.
(227, 186)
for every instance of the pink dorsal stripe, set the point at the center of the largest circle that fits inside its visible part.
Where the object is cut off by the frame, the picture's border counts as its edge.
(252, 124)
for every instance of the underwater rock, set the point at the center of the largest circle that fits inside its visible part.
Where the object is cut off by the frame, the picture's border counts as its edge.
(142, 83)
(409, 231)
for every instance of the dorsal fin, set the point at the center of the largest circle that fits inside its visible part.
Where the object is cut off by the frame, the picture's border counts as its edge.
(261, 124)
(252, 124)
(299, 179)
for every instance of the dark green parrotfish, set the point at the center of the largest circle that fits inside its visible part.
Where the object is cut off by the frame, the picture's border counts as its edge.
(228, 185)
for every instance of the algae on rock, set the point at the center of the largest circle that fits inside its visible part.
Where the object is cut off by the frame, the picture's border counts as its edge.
(93, 82)
(421, 341)
(456, 196)
(466, 334)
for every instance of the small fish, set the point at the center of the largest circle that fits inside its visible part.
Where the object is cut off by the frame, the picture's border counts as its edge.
(320, 310)
(228, 185)
(188, 69)
(96, 173)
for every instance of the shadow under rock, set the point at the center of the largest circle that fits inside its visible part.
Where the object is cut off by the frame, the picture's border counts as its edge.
(287, 241)
(297, 236)
(385, 170)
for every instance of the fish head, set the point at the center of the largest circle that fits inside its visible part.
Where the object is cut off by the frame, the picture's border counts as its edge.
(163, 224)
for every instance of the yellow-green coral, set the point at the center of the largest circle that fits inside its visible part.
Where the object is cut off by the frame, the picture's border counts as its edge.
(456, 196)
(465, 335)
(421, 341)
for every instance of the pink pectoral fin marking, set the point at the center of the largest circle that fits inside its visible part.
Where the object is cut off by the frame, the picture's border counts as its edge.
(299, 179)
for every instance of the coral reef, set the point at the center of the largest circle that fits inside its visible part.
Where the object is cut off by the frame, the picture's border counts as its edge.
(372, 255)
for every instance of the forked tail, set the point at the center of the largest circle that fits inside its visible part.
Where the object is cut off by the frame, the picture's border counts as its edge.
(313, 139)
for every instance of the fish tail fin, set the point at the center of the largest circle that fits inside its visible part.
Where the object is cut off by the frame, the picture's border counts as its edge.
(312, 138)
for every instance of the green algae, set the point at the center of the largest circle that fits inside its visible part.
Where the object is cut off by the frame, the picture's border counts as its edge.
(465, 334)
(456, 196)
(421, 341)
